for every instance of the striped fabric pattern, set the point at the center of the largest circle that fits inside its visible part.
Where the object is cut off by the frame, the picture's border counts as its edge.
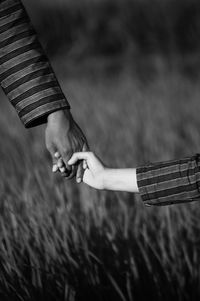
(170, 182)
(26, 75)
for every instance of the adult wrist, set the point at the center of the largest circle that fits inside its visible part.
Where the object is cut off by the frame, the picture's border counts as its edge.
(58, 115)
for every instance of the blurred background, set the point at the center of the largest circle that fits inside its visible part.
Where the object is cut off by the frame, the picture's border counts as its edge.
(138, 34)
(130, 70)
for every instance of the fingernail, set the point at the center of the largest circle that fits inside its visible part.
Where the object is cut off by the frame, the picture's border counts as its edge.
(57, 155)
(62, 169)
(79, 180)
(54, 168)
(60, 164)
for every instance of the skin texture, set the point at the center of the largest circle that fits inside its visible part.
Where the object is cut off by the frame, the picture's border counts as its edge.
(64, 137)
(98, 176)
(94, 170)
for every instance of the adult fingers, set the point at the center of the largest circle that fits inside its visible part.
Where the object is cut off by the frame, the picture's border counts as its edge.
(65, 158)
(58, 163)
(85, 166)
(55, 168)
(62, 167)
(54, 160)
(57, 155)
(69, 170)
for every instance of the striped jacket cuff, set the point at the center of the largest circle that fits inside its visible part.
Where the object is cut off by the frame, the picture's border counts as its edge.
(26, 75)
(170, 182)
(39, 115)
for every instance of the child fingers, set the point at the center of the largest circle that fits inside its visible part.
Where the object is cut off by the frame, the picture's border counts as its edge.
(78, 156)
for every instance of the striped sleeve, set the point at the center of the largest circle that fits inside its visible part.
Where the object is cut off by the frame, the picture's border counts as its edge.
(26, 75)
(170, 182)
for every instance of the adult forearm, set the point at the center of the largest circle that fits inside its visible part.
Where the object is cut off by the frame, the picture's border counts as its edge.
(26, 75)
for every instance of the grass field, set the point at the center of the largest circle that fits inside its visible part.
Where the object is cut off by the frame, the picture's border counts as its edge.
(117, 27)
(61, 241)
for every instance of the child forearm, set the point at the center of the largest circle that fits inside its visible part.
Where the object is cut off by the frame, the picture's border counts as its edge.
(121, 179)
(98, 176)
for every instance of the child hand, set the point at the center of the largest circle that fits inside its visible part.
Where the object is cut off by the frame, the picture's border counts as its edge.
(93, 169)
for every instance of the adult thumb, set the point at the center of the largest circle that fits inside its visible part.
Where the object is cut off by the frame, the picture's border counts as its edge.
(54, 159)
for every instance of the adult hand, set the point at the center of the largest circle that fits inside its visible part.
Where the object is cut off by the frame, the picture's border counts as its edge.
(64, 137)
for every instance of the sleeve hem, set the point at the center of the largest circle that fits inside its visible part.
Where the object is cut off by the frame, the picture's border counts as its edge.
(142, 190)
(41, 118)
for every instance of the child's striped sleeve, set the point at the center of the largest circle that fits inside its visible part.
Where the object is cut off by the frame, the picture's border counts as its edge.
(170, 182)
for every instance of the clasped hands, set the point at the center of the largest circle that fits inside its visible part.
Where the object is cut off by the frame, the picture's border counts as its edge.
(70, 155)
(63, 138)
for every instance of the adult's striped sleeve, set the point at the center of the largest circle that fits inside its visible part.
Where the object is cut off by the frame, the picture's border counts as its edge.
(170, 182)
(26, 75)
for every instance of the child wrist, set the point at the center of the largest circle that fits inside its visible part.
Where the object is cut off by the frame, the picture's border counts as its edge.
(105, 179)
